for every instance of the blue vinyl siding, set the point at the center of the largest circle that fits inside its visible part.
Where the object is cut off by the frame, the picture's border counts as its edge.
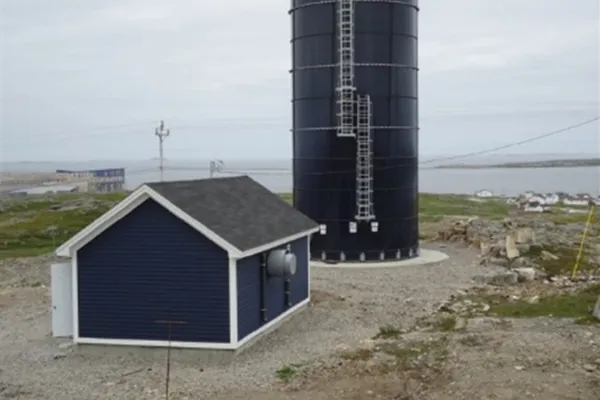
(248, 286)
(152, 266)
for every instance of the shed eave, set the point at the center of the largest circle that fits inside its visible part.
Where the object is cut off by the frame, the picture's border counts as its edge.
(276, 243)
(126, 206)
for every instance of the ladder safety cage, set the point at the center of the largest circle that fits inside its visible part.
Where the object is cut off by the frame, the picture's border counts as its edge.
(354, 112)
(346, 88)
(364, 160)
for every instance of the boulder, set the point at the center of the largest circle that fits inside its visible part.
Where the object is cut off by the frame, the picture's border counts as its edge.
(503, 262)
(510, 246)
(501, 279)
(547, 256)
(485, 248)
(525, 274)
(521, 262)
(524, 236)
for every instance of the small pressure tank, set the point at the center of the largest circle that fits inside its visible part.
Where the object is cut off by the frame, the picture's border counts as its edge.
(281, 263)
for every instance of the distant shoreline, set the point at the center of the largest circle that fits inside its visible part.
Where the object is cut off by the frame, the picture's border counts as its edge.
(569, 163)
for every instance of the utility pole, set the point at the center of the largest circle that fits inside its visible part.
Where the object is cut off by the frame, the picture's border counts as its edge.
(161, 133)
(215, 166)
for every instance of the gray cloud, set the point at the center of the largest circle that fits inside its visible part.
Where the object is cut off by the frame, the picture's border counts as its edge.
(491, 72)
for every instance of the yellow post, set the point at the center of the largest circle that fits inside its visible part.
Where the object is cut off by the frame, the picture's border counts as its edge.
(583, 237)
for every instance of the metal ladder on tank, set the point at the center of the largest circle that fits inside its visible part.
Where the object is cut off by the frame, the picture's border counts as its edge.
(354, 113)
(364, 160)
(346, 88)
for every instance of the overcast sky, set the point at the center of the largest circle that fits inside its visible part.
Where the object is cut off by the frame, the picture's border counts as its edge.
(90, 79)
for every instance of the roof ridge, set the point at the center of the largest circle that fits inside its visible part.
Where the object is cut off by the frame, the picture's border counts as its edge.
(214, 178)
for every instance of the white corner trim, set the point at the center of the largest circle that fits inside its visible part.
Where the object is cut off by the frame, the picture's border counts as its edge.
(270, 324)
(233, 308)
(75, 297)
(126, 206)
(308, 263)
(156, 343)
(269, 246)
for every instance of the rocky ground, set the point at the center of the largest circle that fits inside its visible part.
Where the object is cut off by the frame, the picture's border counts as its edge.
(501, 319)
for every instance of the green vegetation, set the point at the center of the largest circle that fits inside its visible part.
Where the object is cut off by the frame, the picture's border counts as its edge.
(576, 305)
(287, 197)
(406, 355)
(566, 257)
(436, 350)
(434, 207)
(388, 332)
(287, 373)
(36, 226)
(446, 324)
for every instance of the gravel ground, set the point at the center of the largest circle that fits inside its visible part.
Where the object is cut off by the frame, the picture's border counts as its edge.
(348, 306)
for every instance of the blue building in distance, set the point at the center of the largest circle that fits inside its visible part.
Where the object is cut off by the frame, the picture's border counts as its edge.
(99, 180)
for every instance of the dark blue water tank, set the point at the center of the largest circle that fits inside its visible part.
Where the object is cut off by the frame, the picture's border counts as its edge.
(385, 42)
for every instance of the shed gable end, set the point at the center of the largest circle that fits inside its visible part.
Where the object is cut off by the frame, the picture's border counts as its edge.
(151, 266)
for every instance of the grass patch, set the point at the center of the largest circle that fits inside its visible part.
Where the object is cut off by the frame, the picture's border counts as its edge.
(577, 305)
(37, 225)
(446, 324)
(566, 257)
(388, 332)
(563, 218)
(288, 197)
(287, 373)
(434, 207)
(435, 351)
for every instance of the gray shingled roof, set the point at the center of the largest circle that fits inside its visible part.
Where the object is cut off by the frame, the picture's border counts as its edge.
(238, 209)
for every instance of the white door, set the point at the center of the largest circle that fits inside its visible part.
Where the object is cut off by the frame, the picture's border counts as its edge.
(62, 299)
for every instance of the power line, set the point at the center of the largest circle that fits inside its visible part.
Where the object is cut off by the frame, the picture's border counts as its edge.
(514, 144)
(275, 171)
(272, 171)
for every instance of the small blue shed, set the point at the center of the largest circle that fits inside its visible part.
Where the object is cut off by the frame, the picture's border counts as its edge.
(220, 260)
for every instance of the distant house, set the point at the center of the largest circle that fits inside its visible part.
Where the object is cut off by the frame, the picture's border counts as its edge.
(535, 206)
(576, 201)
(226, 259)
(537, 198)
(552, 198)
(562, 195)
(512, 201)
(484, 193)
(528, 194)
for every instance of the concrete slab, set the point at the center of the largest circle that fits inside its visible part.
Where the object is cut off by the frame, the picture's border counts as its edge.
(426, 257)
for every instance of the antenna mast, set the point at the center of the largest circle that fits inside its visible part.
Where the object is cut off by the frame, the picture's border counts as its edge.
(161, 133)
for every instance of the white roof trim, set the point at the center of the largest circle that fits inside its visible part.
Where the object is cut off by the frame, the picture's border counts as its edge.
(136, 198)
(268, 246)
(123, 208)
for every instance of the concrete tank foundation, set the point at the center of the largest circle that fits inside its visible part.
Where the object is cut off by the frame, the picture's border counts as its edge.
(426, 257)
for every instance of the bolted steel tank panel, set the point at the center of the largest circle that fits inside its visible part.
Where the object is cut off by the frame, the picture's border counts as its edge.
(325, 165)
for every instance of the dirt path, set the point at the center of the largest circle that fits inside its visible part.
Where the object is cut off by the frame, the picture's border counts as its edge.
(491, 359)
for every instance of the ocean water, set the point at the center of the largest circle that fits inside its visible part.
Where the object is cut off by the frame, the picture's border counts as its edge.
(277, 175)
